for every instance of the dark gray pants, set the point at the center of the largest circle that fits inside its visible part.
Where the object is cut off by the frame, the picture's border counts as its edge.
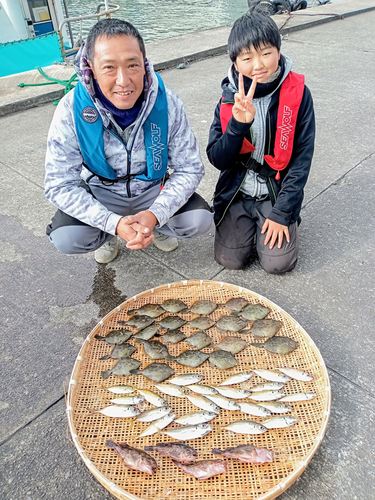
(240, 230)
(72, 236)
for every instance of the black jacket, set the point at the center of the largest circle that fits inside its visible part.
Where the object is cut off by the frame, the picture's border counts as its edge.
(286, 194)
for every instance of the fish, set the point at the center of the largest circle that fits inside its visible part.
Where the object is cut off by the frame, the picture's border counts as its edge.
(279, 422)
(203, 307)
(276, 406)
(152, 398)
(197, 417)
(120, 351)
(151, 310)
(252, 312)
(119, 411)
(174, 305)
(265, 328)
(203, 469)
(128, 400)
(246, 453)
(156, 350)
(223, 402)
(115, 337)
(202, 322)
(230, 323)
(272, 375)
(186, 379)
(157, 372)
(191, 358)
(232, 344)
(140, 321)
(278, 345)
(237, 379)
(233, 393)
(236, 304)
(267, 386)
(296, 374)
(174, 336)
(189, 431)
(147, 333)
(172, 322)
(222, 359)
(253, 409)
(266, 395)
(123, 367)
(177, 451)
(246, 427)
(301, 396)
(154, 414)
(203, 403)
(157, 425)
(134, 458)
(199, 340)
(172, 390)
(121, 389)
(202, 389)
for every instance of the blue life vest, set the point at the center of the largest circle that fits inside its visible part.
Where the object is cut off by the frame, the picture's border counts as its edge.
(89, 128)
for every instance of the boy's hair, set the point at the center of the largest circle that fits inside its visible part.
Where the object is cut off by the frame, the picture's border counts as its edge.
(255, 30)
(109, 28)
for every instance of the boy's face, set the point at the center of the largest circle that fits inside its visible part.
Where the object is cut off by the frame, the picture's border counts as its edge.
(261, 63)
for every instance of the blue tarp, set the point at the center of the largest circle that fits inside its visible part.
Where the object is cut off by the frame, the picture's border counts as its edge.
(25, 55)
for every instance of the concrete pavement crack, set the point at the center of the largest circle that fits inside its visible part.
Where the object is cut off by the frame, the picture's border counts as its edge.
(369, 393)
(21, 175)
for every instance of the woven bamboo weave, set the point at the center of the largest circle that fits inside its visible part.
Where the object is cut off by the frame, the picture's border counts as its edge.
(293, 447)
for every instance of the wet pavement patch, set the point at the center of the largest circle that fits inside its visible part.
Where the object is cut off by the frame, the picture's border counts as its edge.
(104, 292)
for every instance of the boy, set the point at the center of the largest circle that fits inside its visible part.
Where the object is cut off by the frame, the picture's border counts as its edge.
(262, 141)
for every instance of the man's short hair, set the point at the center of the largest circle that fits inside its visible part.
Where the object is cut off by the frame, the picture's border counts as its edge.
(109, 28)
(255, 29)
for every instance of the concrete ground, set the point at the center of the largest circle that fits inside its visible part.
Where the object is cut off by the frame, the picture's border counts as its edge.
(50, 302)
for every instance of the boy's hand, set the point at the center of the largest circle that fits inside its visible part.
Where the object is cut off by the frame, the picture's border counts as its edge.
(275, 232)
(243, 110)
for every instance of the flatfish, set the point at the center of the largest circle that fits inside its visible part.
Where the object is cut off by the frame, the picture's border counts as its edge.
(176, 451)
(252, 312)
(151, 310)
(140, 321)
(222, 359)
(246, 453)
(202, 322)
(278, 345)
(203, 307)
(123, 367)
(203, 469)
(232, 344)
(236, 304)
(121, 351)
(157, 372)
(147, 333)
(174, 336)
(230, 323)
(172, 322)
(199, 340)
(116, 337)
(156, 350)
(265, 327)
(191, 358)
(174, 305)
(134, 458)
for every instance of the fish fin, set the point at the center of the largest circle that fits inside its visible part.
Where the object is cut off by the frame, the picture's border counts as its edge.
(110, 444)
(256, 344)
(106, 373)
(216, 451)
(132, 312)
(122, 323)
(98, 337)
(105, 357)
(136, 372)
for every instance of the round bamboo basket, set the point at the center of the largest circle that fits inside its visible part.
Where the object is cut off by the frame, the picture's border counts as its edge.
(293, 447)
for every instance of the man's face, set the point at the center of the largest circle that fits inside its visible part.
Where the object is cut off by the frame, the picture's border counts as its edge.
(118, 67)
(261, 63)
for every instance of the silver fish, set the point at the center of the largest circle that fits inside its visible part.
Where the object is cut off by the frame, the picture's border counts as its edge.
(203, 469)
(172, 390)
(236, 304)
(176, 451)
(152, 398)
(199, 340)
(186, 379)
(189, 431)
(120, 351)
(119, 411)
(230, 323)
(174, 336)
(237, 379)
(157, 425)
(140, 321)
(202, 323)
(172, 322)
(272, 375)
(233, 392)
(265, 327)
(222, 359)
(157, 372)
(253, 409)
(247, 453)
(232, 344)
(266, 395)
(301, 396)
(203, 403)
(156, 350)
(123, 367)
(151, 310)
(127, 400)
(121, 389)
(196, 418)
(278, 345)
(191, 358)
(133, 458)
(276, 406)
(254, 311)
(154, 414)
(246, 427)
(203, 307)
(174, 305)
(147, 333)
(267, 386)
(116, 337)
(202, 389)
(279, 422)
(223, 402)
(296, 374)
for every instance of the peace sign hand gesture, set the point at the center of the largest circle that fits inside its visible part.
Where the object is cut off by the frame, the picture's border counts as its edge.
(243, 110)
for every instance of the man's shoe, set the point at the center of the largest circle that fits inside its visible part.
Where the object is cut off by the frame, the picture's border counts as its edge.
(108, 252)
(164, 243)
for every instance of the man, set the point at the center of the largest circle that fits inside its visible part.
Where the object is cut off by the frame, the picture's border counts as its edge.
(109, 146)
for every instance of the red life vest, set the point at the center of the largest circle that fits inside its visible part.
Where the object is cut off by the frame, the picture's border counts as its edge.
(290, 98)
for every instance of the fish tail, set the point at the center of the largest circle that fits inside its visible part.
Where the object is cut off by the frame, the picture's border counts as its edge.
(135, 372)
(256, 344)
(110, 444)
(98, 337)
(105, 357)
(149, 448)
(132, 311)
(216, 451)
(106, 373)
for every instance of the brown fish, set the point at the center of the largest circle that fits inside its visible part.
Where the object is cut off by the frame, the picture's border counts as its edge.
(156, 350)
(147, 333)
(151, 310)
(203, 469)
(123, 367)
(133, 457)
(278, 345)
(199, 340)
(174, 336)
(246, 453)
(265, 327)
(157, 372)
(174, 305)
(230, 323)
(203, 307)
(140, 321)
(191, 358)
(222, 359)
(232, 344)
(202, 322)
(120, 351)
(177, 451)
(236, 304)
(172, 322)
(116, 337)
(254, 311)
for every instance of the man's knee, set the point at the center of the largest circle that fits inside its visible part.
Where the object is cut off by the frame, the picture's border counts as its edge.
(77, 239)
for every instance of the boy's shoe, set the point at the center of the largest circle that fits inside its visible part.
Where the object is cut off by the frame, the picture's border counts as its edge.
(107, 252)
(163, 242)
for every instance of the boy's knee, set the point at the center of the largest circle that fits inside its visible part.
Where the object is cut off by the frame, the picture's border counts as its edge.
(232, 258)
(278, 265)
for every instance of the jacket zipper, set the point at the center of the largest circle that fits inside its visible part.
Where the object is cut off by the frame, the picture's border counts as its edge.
(269, 152)
(229, 204)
